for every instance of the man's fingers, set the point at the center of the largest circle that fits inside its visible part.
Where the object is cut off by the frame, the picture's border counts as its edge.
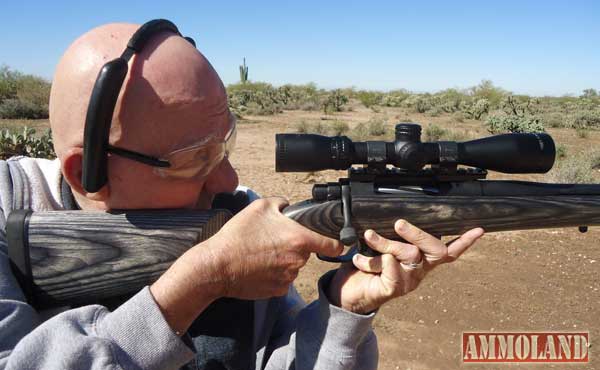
(367, 264)
(401, 251)
(434, 250)
(460, 245)
(412, 234)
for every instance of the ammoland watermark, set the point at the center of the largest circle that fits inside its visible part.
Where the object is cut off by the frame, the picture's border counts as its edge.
(525, 347)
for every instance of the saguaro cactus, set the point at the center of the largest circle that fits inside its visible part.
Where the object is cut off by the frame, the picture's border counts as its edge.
(244, 72)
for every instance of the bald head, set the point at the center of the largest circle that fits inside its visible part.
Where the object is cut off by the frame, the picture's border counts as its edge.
(171, 96)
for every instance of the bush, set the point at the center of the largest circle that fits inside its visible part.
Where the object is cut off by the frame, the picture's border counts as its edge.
(369, 98)
(435, 133)
(25, 143)
(503, 123)
(586, 119)
(554, 120)
(477, 108)
(582, 133)
(376, 127)
(360, 132)
(575, 170)
(394, 98)
(334, 101)
(23, 96)
(319, 128)
(561, 151)
(303, 127)
(339, 128)
(14, 109)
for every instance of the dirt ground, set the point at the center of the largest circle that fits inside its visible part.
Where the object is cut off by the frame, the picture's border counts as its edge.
(540, 280)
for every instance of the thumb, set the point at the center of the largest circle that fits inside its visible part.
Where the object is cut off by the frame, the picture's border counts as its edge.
(317, 243)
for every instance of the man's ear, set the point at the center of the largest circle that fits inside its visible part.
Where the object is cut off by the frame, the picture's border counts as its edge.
(72, 170)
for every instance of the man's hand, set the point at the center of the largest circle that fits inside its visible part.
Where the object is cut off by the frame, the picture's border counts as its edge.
(257, 254)
(262, 251)
(399, 269)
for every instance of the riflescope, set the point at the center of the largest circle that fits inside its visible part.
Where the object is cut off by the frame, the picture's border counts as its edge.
(508, 153)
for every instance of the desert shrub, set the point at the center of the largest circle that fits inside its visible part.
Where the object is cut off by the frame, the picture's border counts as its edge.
(434, 132)
(394, 98)
(376, 127)
(435, 111)
(339, 128)
(561, 151)
(582, 133)
(15, 108)
(500, 123)
(521, 106)
(334, 101)
(458, 135)
(25, 143)
(261, 98)
(255, 98)
(369, 98)
(304, 97)
(319, 128)
(450, 100)
(23, 96)
(360, 132)
(595, 159)
(303, 127)
(476, 109)
(574, 170)
(8, 83)
(585, 119)
(458, 117)
(554, 119)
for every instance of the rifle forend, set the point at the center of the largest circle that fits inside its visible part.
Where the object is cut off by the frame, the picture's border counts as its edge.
(441, 199)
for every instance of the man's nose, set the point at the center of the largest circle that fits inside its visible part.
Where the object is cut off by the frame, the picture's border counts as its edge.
(223, 179)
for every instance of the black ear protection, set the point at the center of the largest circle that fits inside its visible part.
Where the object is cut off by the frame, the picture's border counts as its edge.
(102, 105)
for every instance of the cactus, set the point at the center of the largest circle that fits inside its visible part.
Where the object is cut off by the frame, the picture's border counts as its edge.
(244, 72)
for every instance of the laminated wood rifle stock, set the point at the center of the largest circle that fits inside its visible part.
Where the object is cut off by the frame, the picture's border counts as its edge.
(79, 257)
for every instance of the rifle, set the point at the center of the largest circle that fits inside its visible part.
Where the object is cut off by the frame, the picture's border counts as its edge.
(111, 254)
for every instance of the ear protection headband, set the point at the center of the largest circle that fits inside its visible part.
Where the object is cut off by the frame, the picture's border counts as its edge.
(102, 104)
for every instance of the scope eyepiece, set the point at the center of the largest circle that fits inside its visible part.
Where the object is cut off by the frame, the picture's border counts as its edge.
(508, 153)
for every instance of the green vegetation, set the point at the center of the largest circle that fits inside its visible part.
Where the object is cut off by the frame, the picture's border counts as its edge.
(376, 127)
(334, 101)
(339, 128)
(26, 143)
(579, 169)
(23, 96)
(244, 73)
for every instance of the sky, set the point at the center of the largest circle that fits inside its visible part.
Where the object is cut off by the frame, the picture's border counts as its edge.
(531, 47)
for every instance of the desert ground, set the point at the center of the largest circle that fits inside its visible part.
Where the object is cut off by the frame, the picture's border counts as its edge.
(540, 280)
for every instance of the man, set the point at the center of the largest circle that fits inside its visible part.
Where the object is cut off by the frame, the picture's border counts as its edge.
(173, 102)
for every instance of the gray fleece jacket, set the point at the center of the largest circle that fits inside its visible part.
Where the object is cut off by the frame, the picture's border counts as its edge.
(288, 334)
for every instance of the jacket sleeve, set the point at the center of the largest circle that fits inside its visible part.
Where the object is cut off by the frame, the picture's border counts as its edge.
(321, 336)
(134, 336)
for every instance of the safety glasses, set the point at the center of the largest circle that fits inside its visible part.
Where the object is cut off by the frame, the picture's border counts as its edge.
(194, 161)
